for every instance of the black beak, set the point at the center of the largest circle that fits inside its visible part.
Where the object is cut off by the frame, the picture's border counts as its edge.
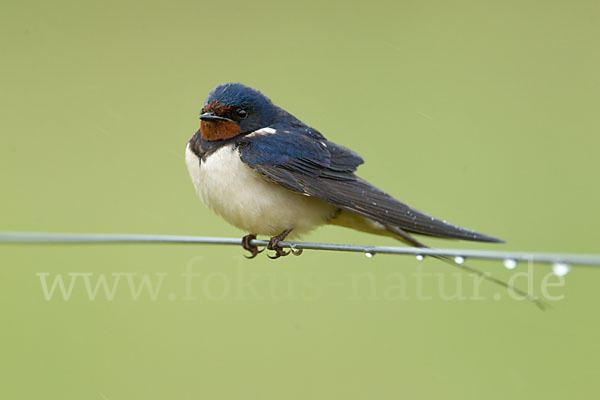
(211, 116)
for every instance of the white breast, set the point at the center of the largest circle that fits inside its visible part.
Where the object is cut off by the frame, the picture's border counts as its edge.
(245, 199)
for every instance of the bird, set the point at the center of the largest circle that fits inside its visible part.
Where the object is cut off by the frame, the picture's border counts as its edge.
(268, 173)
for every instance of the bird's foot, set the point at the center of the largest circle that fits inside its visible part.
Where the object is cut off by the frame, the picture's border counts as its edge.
(250, 247)
(274, 245)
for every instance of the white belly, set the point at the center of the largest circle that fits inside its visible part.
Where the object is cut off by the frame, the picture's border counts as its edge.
(250, 202)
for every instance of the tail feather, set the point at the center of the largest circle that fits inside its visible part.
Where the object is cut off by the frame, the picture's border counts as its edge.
(410, 240)
(364, 224)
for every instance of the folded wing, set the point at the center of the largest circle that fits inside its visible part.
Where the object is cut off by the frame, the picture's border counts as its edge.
(321, 169)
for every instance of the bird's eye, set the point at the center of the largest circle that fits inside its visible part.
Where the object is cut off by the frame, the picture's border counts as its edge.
(242, 113)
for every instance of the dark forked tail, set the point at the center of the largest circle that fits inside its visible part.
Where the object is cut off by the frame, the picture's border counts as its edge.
(408, 239)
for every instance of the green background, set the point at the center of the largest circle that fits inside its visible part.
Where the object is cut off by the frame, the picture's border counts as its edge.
(482, 113)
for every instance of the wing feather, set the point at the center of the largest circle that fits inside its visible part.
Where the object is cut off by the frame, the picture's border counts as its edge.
(324, 170)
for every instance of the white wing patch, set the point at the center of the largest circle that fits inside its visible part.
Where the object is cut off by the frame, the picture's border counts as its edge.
(262, 132)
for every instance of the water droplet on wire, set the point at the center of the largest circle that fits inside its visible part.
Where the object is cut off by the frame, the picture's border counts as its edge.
(560, 269)
(509, 263)
(420, 257)
(369, 254)
(294, 250)
(459, 259)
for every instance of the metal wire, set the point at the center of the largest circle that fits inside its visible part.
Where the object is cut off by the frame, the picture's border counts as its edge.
(90, 238)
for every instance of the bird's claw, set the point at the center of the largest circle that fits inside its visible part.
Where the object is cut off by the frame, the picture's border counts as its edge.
(274, 245)
(279, 252)
(254, 251)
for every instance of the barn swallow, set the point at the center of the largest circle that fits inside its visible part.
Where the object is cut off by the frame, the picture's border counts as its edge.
(267, 173)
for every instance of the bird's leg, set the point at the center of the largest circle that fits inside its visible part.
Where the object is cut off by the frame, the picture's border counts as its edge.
(251, 248)
(274, 244)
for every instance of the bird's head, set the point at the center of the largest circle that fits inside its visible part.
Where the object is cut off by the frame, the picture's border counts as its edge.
(233, 109)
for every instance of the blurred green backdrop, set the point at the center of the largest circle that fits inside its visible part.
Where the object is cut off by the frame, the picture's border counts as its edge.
(482, 113)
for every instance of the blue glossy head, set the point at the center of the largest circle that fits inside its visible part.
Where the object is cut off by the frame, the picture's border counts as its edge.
(233, 109)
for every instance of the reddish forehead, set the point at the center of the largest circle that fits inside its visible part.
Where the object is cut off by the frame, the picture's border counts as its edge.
(217, 108)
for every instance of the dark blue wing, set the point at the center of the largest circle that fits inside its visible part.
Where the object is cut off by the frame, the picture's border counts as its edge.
(302, 154)
(316, 167)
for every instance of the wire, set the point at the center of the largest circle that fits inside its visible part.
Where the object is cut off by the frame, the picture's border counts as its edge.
(511, 256)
